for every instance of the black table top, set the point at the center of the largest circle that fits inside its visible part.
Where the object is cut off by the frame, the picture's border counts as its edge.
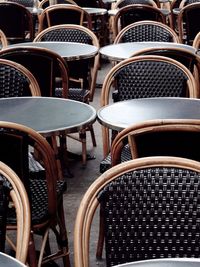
(125, 50)
(122, 114)
(68, 50)
(172, 262)
(47, 115)
(8, 261)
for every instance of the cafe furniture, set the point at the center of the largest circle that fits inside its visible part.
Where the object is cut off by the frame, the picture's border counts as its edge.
(45, 3)
(64, 14)
(146, 31)
(145, 211)
(133, 13)
(188, 26)
(22, 82)
(16, 22)
(68, 50)
(13, 194)
(45, 193)
(3, 40)
(118, 52)
(158, 78)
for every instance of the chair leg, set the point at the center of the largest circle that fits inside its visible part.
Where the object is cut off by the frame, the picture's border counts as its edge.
(82, 136)
(32, 257)
(93, 136)
(100, 242)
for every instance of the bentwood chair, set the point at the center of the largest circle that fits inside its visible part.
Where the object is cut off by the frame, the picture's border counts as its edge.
(16, 22)
(45, 193)
(13, 193)
(64, 14)
(133, 13)
(187, 58)
(188, 25)
(45, 65)
(45, 3)
(142, 77)
(150, 210)
(16, 80)
(83, 73)
(122, 3)
(142, 31)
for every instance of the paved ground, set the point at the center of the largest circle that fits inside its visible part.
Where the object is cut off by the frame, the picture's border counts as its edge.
(78, 185)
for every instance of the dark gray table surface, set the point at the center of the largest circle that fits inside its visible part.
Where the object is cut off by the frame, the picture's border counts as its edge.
(125, 50)
(8, 261)
(173, 262)
(95, 11)
(122, 114)
(68, 50)
(47, 115)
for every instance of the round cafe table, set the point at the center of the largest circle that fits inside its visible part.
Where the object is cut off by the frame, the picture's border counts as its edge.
(122, 51)
(171, 262)
(68, 50)
(8, 261)
(47, 115)
(122, 114)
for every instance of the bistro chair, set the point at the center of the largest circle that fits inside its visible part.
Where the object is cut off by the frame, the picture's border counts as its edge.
(188, 25)
(45, 3)
(64, 14)
(160, 77)
(133, 13)
(143, 31)
(45, 192)
(83, 73)
(16, 80)
(189, 59)
(196, 42)
(149, 207)
(13, 193)
(45, 65)
(122, 3)
(16, 22)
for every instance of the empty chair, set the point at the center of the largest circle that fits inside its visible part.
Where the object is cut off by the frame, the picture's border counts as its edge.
(83, 73)
(149, 209)
(122, 3)
(45, 3)
(45, 192)
(188, 25)
(26, 3)
(44, 64)
(16, 80)
(143, 31)
(13, 193)
(189, 59)
(16, 22)
(134, 13)
(64, 14)
(160, 77)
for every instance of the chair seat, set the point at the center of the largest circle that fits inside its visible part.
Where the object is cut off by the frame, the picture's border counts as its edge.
(105, 164)
(39, 202)
(79, 94)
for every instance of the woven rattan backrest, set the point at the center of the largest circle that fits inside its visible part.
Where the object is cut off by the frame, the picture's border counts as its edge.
(11, 184)
(86, 69)
(16, 22)
(148, 76)
(188, 25)
(44, 64)
(64, 14)
(16, 80)
(122, 3)
(26, 3)
(178, 138)
(151, 31)
(150, 209)
(44, 152)
(133, 13)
